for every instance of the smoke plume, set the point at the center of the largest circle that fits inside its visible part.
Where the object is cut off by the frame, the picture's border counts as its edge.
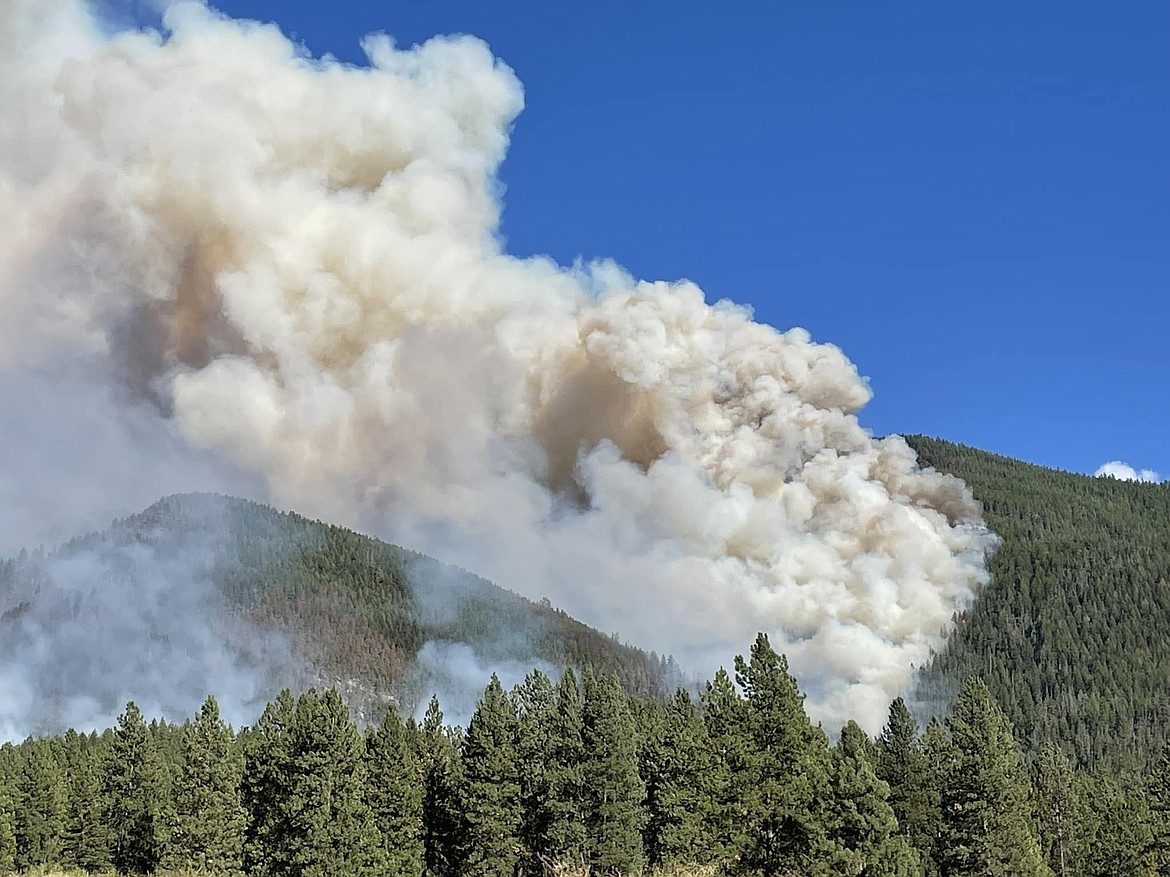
(234, 264)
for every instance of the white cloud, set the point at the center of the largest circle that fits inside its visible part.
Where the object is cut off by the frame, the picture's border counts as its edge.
(1125, 472)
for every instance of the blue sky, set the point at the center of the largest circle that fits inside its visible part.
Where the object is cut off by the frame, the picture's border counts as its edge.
(974, 203)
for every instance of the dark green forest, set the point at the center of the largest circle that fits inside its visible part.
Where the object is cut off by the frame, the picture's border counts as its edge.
(1072, 636)
(575, 776)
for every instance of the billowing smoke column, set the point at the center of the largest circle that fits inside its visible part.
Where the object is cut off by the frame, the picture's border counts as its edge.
(261, 265)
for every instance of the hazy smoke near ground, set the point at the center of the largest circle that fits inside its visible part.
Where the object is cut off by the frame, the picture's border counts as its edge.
(291, 268)
(136, 615)
(1122, 471)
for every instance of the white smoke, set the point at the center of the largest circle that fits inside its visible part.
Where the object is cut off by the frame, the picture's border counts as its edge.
(1124, 472)
(291, 268)
(134, 616)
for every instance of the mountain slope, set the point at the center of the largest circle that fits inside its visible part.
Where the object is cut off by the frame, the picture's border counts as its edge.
(196, 571)
(1073, 633)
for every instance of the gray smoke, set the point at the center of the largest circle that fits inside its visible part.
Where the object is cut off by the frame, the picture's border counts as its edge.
(292, 268)
(135, 615)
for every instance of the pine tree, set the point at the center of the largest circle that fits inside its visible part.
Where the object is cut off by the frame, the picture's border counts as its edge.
(986, 819)
(902, 764)
(327, 823)
(134, 792)
(863, 830)
(87, 839)
(1158, 795)
(394, 792)
(209, 818)
(7, 828)
(442, 821)
(785, 769)
(265, 784)
(613, 790)
(490, 788)
(1121, 841)
(939, 754)
(725, 720)
(565, 770)
(40, 809)
(677, 770)
(534, 701)
(1056, 809)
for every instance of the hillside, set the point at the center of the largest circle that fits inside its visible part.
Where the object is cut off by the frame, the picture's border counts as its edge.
(356, 611)
(1073, 633)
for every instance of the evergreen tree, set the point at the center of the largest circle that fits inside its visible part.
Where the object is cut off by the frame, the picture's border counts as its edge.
(490, 788)
(7, 828)
(986, 819)
(725, 720)
(784, 779)
(863, 830)
(266, 782)
(902, 764)
(1056, 809)
(1158, 795)
(134, 792)
(328, 825)
(442, 822)
(677, 770)
(1121, 841)
(939, 754)
(87, 839)
(534, 701)
(613, 790)
(565, 771)
(395, 794)
(208, 818)
(40, 810)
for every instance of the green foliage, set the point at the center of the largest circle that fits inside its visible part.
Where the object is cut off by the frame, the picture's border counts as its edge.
(328, 827)
(567, 802)
(490, 789)
(725, 719)
(547, 781)
(40, 808)
(986, 815)
(442, 822)
(784, 780)
(7, 827)
(1056, 804)
(613, 789)
(87, 838)
(394, 791)
(208, 817)
(902, 763)
(1118, 840)
(534, 701)
(135, 796)
(1070, 634)
(265, 783)
(863, 831)
(677, 767)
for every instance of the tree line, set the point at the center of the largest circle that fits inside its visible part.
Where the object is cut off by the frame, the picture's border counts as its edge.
(576, 776)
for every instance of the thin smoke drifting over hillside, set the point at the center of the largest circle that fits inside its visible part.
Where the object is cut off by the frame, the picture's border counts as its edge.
(260, 265)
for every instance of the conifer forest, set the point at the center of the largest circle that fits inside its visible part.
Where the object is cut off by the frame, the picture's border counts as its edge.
(574, 776)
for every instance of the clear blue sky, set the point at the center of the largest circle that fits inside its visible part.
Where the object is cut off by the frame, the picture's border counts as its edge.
(974, 202)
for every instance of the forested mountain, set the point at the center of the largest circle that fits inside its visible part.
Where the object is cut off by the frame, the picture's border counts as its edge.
(1072, 636)
(356, 610)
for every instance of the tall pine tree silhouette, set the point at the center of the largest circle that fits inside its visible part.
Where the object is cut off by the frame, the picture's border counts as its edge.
(135, 793)
(613, 789)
